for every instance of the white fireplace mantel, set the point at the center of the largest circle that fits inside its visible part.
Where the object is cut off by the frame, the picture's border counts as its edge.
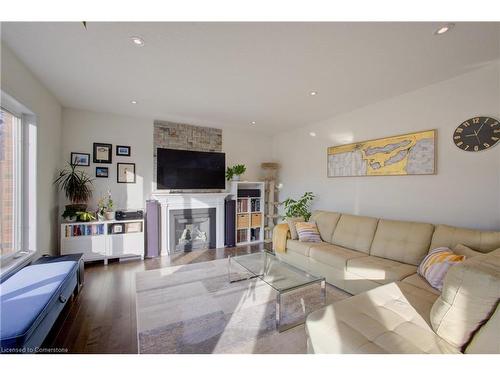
(179, 201)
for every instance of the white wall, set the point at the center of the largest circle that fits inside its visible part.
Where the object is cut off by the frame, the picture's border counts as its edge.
(22, 85)
(466, 189)
(82, 128)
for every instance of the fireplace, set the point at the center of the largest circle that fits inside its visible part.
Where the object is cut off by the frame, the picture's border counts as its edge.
(192, 229)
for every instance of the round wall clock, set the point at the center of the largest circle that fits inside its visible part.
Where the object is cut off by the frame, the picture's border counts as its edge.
(477, 134)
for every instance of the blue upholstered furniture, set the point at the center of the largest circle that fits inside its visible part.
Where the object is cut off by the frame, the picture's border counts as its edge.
(32, 298)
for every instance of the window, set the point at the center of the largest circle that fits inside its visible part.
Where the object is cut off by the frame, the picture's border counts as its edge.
(11, 144)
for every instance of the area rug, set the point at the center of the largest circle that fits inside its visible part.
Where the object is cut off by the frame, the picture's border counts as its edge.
(194, 308)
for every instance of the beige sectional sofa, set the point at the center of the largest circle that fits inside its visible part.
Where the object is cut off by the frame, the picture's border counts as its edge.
(394, 310)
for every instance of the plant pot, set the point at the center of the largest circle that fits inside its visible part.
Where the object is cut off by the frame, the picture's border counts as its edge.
(76, 207)
(109, 215)
(236, 177)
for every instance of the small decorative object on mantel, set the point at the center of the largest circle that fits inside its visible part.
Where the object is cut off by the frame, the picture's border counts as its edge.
(477, 134)
(125, 173)
(102, 153)
(102, 172)
(77, 187)
(105, 207)
(407, 154)
(122, 150)
(81, 159)
(234, 173)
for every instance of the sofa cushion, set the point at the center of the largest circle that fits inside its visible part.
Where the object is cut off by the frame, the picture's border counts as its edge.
(471, 292)
(465, 250)
(355, 232)
(296, 246)
(447, 236)
(419, 282)
(436, 264)
(379, 270)
(302, 248)
(333, 255)
(326, 222)
(387, 319)
(403, 241)
(291, 221)
(486, 340)
(308, 232)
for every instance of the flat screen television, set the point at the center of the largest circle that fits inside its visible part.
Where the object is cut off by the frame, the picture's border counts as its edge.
(181, 169)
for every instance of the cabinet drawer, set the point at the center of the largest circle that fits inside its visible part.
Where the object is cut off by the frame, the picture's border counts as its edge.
(242, 221)
(256, 220)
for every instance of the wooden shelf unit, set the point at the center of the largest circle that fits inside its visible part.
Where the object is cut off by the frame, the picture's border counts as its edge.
(249, 213)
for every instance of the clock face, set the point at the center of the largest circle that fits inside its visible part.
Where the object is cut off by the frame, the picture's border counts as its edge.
(477, 134)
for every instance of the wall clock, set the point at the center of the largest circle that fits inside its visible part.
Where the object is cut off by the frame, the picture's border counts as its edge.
(477, 134)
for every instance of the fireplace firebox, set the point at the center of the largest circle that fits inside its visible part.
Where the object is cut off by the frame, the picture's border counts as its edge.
(192, 229)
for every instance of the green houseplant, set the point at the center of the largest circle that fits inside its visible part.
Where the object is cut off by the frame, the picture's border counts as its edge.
(298, 208)
(77, 187)
(233, 173)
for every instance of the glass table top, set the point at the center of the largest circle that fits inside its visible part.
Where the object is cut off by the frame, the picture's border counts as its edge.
(278, 274)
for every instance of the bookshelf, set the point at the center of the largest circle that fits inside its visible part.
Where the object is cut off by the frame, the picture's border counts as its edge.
(249, 212)
(103, 240)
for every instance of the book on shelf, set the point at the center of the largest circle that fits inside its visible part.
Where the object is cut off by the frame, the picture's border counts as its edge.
(255, 205)
(242, 205)
(77, 230)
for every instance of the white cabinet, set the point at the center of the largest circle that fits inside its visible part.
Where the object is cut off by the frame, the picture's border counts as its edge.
(104, 240)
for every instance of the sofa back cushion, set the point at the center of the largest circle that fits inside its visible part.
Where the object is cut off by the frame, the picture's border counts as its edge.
(402, 241)
(448, 236)
(326, 221)
(355, 232)
(471, 292)
(486, 340)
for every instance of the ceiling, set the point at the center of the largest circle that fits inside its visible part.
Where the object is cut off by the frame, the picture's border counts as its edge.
(230, 74)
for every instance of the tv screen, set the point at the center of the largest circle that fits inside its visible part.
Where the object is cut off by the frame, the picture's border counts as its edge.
(180, 169)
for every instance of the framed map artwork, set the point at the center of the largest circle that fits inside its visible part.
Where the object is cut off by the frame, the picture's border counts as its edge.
(408, 154)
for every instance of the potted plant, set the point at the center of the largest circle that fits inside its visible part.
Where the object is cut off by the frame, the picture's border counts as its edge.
(233, 173)
(300, 207)
(77, 187)
(105, 207)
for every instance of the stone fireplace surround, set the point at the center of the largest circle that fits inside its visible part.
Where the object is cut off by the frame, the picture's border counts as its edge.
(182, 201)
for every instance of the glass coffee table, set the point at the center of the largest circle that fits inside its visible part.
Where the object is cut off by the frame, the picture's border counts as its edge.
(281, 276)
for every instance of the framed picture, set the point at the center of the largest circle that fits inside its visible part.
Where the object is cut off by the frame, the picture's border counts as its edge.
(102, 153)
(400, 155)
(125, 173)
(80, 159)
(102, 172)
(122, 150)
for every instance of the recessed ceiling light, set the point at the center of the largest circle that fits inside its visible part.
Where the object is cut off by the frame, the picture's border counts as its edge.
(313, 93)
(138, 41)
(253, 123)
(134, 102)
(444, 28)
(312, 134)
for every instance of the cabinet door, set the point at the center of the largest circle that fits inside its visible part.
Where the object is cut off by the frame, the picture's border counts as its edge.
(129, 244)
(92, 247)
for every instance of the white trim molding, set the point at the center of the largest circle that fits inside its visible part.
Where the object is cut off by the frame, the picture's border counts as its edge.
(179, 201)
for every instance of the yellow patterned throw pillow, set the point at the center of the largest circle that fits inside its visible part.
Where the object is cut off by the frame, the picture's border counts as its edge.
(436, 264)
(308, 232)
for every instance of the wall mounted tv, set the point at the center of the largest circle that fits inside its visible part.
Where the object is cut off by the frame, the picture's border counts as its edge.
(181, 169)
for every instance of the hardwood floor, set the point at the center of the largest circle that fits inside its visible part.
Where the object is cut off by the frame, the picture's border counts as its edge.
(102, 318)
